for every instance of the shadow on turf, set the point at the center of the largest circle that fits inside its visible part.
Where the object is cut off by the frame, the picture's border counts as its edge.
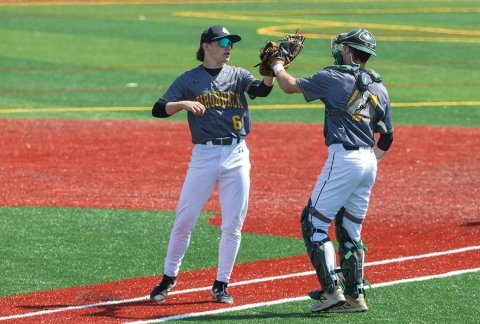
(471, 224)
(108, 311)
(112, 311)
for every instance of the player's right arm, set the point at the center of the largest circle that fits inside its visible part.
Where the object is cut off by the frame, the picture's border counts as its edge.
(172, 101)
(287, 82)
(164, 109)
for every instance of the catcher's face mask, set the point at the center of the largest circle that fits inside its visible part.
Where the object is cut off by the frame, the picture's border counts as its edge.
(336, 47)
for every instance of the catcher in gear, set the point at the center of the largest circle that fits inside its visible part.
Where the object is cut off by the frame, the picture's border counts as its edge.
(286, 49)
(357, 106)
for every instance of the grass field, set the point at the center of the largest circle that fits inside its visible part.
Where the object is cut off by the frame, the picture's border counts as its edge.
(111, 61)
(391, 304)
(84, 56)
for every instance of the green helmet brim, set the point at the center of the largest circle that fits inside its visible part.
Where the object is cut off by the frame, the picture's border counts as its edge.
(362, 48)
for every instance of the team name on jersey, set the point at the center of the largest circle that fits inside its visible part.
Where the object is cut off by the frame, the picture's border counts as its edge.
(220, 99)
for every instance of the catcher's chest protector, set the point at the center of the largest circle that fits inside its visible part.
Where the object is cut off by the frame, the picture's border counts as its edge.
(362, 103)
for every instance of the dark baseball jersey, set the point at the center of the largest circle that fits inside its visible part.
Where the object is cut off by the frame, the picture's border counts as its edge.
(223, 95)
(348, 119)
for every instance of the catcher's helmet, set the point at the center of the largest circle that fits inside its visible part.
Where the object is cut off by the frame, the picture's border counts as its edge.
(360, 39)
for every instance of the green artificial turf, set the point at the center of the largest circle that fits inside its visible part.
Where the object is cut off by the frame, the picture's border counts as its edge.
(71, 56)
(46, 248)
(126, 55)
(443, 300)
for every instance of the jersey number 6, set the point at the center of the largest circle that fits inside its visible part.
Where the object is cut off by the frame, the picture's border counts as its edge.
(237, 122)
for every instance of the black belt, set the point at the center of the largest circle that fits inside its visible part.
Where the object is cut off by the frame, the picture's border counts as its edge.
(223, 141)
(350, 148)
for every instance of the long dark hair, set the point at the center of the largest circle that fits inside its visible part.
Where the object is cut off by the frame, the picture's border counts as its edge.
(200, 54)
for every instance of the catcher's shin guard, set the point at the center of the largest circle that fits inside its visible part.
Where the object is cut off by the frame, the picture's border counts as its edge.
(322, 256)
(352, 256)
(321, 253)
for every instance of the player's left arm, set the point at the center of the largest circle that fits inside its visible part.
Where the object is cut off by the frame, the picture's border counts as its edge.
(383, 144)
(384, 123)
(269, 81)
(259, 88)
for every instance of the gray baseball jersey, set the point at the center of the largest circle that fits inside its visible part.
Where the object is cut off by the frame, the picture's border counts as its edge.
(343, 124)
(227, 113)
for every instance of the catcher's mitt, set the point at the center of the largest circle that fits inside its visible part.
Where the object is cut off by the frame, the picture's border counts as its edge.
(285, 49)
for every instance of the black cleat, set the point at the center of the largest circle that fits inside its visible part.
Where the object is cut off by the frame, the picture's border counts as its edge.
(160, 292)
(220, 293)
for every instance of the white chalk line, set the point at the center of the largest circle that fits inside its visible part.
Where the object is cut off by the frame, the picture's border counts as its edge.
(258, 280)
(295, 299)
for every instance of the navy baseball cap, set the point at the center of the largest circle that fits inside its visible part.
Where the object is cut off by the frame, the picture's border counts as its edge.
(217, 32)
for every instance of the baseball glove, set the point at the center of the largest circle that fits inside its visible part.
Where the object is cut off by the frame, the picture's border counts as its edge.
(286, 49)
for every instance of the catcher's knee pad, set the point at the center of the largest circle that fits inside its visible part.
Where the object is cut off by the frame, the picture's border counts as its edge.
(321, 253)
(352, 256)
(308, 229)
(347, 238)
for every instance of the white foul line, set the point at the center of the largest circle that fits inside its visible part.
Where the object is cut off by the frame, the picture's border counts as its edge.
(246, 282)
(295, 299)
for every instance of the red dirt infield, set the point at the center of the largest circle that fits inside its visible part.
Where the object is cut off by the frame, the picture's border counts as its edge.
(422, 201)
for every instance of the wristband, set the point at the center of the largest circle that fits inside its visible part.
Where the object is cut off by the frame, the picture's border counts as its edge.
(277, 68)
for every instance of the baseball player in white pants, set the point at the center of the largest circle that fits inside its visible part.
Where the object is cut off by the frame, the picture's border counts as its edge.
(213, 94)
(229, 166)
(357, 106)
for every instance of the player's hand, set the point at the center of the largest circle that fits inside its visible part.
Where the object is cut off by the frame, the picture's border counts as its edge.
(276, 61)
(197, 108)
